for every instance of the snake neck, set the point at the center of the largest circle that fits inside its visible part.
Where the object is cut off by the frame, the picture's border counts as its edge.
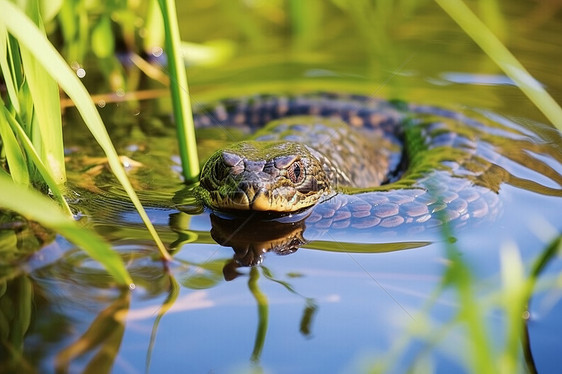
(351, 156)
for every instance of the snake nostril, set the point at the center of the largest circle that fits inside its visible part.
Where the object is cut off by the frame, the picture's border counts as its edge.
(254, 165)
(231, 159)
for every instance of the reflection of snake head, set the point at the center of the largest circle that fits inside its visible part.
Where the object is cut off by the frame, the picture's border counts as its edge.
(265, 176)
(250, 245)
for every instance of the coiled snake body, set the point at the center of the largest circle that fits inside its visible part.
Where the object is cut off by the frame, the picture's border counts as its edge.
(357, 161)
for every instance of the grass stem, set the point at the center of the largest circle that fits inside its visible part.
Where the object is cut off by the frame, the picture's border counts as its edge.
(180, 93)
(495, 49)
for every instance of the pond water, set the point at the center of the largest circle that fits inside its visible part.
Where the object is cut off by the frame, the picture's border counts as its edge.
(344, 301)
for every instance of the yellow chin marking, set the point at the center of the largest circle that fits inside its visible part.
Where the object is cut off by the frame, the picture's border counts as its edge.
(261, 203)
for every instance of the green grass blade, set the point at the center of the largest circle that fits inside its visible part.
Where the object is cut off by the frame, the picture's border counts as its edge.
(180, 93)
(5, 69)
(32, 205)
(459, 276)
(154, 27)
(494, 48)
(30, 37)
(44, 171)
(47, 113)
(50, 8)
(14, 154)
(514, 296)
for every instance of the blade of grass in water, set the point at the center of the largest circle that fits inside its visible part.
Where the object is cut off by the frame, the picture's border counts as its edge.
(494, 48)
(180, 93)
(5, 68)
(46, 107)
(30, 37)
(43, 170)
(14, 154)
(32, 205)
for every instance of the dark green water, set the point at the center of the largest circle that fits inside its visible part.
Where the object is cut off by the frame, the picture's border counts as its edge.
(340, 303)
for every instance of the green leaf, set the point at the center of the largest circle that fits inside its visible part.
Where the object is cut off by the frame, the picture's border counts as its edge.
(154, 29)
(14, 154)
(43, 170)
(34, 206)
(5, 69)
(213, 52)
(103, 44)
(46, 103)
(50, 8)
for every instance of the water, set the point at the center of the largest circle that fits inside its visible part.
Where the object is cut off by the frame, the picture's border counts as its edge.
(334, 305)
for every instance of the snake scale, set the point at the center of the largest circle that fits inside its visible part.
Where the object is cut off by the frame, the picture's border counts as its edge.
(377, 163)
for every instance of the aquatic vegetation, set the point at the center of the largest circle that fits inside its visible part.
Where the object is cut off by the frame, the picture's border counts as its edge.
(41, 53)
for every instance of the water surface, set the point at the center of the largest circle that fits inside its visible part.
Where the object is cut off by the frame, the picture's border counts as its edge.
(339, 303)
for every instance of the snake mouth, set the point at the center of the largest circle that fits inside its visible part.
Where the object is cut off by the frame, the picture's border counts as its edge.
(260, 201)
(244, 198)
(253, 198)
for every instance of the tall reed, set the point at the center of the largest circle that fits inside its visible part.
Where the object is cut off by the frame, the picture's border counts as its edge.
(180, 93)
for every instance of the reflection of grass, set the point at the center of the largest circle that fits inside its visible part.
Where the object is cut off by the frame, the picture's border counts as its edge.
(332, 246)
(16, 292)
(104, 337)
(481, 355)
(263, 309)
(263, 313)
(171, 298)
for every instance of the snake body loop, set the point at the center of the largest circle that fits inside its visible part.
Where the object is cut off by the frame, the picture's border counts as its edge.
(359, 162)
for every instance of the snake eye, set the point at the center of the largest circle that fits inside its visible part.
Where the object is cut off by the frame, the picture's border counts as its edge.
(295, 172)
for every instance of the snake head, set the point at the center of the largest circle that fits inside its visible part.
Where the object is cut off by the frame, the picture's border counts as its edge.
(264, 176)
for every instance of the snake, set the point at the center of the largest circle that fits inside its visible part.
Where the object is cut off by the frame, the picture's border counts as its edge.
(360, 162)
